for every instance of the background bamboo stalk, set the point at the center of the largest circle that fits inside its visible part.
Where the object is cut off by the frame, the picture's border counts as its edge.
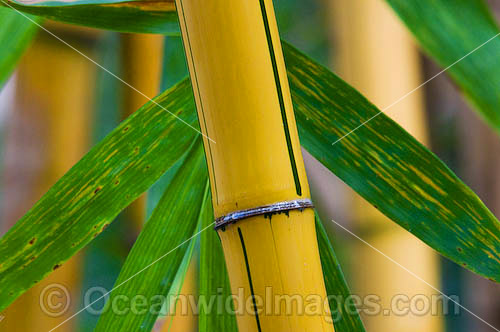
(183, 319)
(472, 150)
(142, 56)
(254, 159)
(142, 68)
(52, 130)
(480, 162)
(375, 54)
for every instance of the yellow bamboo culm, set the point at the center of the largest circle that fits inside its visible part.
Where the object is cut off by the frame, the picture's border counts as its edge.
(259, 187)
(376, 54)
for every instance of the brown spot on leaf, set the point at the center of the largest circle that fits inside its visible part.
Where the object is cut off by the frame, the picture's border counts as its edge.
(97, 190)
(56, 267)
(459, 249)
(32, 241)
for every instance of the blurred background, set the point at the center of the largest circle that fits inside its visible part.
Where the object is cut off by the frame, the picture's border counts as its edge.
(58, 105)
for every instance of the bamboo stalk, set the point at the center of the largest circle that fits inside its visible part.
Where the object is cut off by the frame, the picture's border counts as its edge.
(254, 161)
(375, 54)
(142, 68)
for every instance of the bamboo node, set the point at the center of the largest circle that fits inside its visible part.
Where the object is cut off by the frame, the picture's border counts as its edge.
(297, 204)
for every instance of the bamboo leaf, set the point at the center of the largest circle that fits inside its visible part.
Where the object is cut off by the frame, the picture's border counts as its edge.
(214, 281)
(119, 15)
(95, 190)
(16, 33)
(344, 314)
(450, 29)
(390, 169)
(157, 255)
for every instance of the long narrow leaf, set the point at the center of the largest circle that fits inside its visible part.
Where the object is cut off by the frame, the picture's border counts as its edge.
(95, 190)
(119, 15)
(344, 314)
(448, 30)
(390, 169)
(153, 263)
(16, 32)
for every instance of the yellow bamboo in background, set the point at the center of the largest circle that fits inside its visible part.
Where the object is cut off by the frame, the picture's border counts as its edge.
(55, 93)
(142, 56)
(255, 163)
(375, 54)
(184, 318)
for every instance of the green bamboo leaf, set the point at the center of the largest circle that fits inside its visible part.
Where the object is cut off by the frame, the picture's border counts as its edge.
(450, 29)
(214, 281)
(344, 314)
(119, 15)
(390, 169)
(152, 265)
(85, 200)
(16, 33)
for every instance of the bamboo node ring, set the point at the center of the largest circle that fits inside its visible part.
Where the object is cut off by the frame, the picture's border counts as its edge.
(297, 204)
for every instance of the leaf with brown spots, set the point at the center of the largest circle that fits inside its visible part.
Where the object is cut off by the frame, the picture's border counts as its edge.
(390, 169)
(152, 265)
(72, 213)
